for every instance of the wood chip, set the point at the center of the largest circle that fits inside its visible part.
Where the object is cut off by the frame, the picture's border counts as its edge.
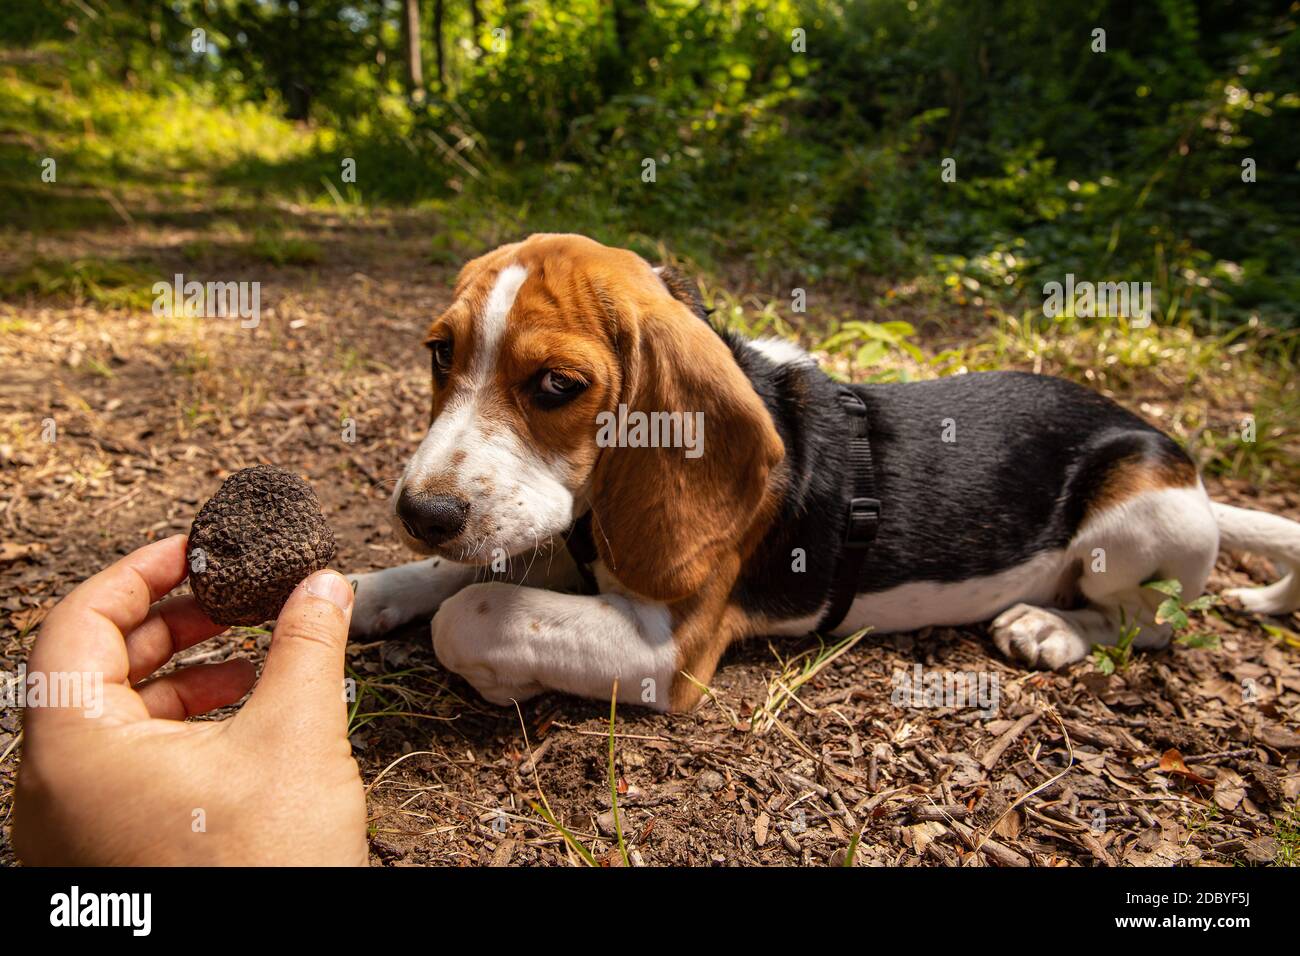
(994, 753)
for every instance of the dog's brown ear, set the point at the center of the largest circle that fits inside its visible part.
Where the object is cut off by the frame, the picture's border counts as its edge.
(665, 519)
(684, 290)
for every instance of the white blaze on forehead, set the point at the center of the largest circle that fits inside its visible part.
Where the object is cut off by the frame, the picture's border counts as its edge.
(492, 324)
(455, 425)
(515, 491)
(458, 417)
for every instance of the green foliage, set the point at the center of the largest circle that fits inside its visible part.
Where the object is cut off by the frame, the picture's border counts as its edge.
(813, 163)
(1287, 835)
(1113, 658)
(871, 344)
(1174, 612)
(109, 139)
(297, 50)
(107, 283)
(270, 246)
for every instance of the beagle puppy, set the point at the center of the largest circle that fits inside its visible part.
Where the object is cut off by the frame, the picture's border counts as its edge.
(1019, 498)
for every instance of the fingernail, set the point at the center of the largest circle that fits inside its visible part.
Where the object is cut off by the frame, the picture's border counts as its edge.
(331, 586)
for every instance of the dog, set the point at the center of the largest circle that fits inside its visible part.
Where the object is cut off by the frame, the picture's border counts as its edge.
(567, 555)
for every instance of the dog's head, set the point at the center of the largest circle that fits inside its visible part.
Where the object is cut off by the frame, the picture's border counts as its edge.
(543, 343)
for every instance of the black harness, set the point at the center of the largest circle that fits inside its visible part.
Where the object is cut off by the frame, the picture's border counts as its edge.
(862, 520)
(582, 548)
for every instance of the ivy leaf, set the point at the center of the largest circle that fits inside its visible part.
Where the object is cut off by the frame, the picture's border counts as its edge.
(871, 353)
(898, 328)
(1172, 613)
(1173, 588)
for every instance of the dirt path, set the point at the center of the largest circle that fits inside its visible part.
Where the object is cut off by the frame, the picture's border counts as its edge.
(148, 415)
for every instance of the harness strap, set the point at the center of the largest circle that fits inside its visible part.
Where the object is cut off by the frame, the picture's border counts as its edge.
(863, 516)
(582, 548)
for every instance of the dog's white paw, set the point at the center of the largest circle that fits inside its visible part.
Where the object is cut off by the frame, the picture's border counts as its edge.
(1038, 637)
(473, 637)
(372, 612)
(391, 597)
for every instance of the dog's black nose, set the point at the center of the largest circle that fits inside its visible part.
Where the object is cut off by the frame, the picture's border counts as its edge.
(432, 518)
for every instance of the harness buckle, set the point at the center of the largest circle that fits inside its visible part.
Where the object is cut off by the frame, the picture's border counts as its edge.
(864, 522)
(856, 409)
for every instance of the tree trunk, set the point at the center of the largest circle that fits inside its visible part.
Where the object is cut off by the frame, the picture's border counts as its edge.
(411, 34)
(437, 45)
(614, 66)
(476, 18)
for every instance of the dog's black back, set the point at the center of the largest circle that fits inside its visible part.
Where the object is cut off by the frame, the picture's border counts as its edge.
(976, 474)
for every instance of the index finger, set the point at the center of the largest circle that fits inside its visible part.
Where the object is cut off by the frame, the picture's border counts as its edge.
(84, 632)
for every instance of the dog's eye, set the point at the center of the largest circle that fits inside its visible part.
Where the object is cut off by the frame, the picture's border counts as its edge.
(441, 357)
(557, 383)
(555, 388)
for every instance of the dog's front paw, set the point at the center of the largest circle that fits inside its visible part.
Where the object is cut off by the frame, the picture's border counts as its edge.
(389, 598)
(373, 612)
(472, 638)
(1037, 637)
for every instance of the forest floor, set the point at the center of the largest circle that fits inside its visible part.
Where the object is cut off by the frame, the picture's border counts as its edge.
(1187, 755)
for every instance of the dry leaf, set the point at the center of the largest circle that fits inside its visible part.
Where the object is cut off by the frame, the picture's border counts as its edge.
(1229, 789)
(1172, 762)
(1009, 826)
(29, 617)
(1279, 737)
(1165, 853)
(922, 835)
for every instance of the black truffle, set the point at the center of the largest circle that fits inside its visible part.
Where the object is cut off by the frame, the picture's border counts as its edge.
(254, 540)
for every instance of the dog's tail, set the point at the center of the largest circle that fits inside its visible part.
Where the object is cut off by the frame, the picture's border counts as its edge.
(1273, 537)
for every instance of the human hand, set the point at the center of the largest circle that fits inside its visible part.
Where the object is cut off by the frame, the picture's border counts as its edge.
(121, 778)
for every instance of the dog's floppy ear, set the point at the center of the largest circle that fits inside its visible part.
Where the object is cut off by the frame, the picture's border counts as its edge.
(683, 290)
(664, 519)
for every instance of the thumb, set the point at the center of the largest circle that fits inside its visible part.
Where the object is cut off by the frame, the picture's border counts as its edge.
(302, 682)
